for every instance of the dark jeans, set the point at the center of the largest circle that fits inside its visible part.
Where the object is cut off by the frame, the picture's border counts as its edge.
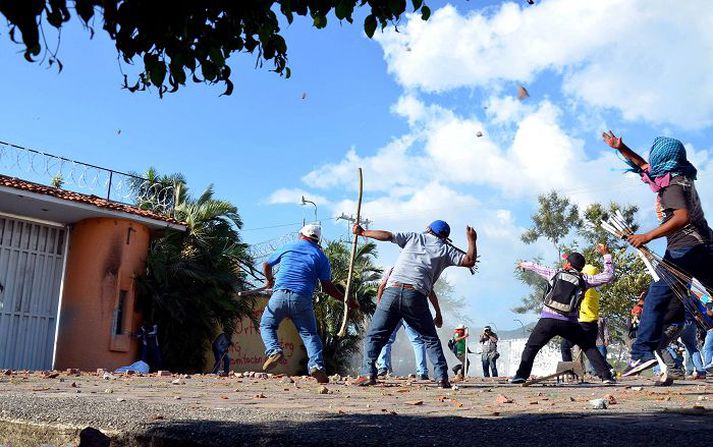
(151, 354)
(545, 330)
(221, 355)
(489, 365)
(591, 329)
(412, 306)
(696, 261)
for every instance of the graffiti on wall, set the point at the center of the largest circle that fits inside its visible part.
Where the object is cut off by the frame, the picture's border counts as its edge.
(248, 352)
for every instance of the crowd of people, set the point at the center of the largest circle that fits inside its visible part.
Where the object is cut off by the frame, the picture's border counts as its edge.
(570, 307)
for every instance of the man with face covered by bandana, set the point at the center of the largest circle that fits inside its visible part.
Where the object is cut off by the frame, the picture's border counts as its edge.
(672, 178)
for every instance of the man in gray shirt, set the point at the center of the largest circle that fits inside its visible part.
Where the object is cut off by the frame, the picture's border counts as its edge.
(423, 258)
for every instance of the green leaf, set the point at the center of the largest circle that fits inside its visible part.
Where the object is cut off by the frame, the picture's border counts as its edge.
(320, 21)
(216, 56)
(417, 4)
(370, 25)
(158, 73)
(425, 13)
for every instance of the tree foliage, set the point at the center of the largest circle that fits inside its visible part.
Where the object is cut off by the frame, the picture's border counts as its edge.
(181, 39)
(339, 351)
(192, 277)
(617, 298)
(554, 219)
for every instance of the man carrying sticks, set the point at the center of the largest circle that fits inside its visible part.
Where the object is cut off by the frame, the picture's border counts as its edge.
(688, 249)
(561, 309)
(302, 263)
(423, 258)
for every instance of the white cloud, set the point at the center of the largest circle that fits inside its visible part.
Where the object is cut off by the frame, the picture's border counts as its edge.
(648, 59)
(294, 196)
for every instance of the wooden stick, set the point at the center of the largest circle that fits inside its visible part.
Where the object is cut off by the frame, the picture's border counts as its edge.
(343, 329)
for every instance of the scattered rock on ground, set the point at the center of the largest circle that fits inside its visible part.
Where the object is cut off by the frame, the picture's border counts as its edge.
(503, 399)
(599, 404)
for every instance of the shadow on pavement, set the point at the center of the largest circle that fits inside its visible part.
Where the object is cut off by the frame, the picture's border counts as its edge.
(574, 429)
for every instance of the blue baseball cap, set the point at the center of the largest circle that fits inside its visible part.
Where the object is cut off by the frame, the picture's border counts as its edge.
(440, 228)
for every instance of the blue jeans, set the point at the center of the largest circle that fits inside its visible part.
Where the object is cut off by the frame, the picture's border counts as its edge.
(398, 303)
(695, 261)
(489, 364)
(298, 308)
(708, 348)
(689, 337)
(419, 350)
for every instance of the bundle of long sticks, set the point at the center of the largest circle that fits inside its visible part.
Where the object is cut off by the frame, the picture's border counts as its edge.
(681, 283)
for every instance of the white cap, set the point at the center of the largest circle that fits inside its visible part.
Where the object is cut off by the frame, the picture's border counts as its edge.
(312, 231)
(460, 327)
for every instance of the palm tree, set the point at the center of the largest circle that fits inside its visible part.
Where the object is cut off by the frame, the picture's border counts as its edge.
(193, 276)
(339, 351)
(156, 192)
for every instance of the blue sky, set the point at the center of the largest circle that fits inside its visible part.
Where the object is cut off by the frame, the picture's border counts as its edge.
(406, 107)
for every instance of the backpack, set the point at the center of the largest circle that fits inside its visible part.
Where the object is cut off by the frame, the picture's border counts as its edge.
(565, 292)
(452, 346)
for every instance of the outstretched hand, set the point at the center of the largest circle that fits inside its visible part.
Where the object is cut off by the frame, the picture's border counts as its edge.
(358, 230)
(470, 233)
(637, 240)
(602, 249)
(612, 140)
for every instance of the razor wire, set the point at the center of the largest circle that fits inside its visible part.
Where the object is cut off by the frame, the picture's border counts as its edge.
(59, 172)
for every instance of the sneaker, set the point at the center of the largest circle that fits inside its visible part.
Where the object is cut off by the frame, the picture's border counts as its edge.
(382, 372)
(517, 380)
(364, 381)
(319, 374)
(272, 361)
(444, 384)
(697, 376)
(423, 377)
(638, 366)
(611, 381)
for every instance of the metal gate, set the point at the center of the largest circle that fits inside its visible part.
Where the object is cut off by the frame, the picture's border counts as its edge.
(31, 267)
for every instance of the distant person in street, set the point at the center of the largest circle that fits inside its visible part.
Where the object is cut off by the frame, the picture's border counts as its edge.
(220, 347)
(489, 354)
(423, 258)
(565, 291)
(150, 351)
(457, 344)
(302, 263)
(383, 363)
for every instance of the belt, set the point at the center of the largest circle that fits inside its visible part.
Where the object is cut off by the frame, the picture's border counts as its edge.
(402, 286)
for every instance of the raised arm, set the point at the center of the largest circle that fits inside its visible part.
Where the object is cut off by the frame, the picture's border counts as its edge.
(607, 275)
(616, 143)
(379, 235)
(537, 269)
(471, 255)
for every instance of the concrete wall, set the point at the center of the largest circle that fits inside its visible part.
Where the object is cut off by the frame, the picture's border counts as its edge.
(105, 254)
(248, 351)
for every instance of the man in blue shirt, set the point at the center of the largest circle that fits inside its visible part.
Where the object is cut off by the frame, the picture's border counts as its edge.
(302, 263)
(423, 258)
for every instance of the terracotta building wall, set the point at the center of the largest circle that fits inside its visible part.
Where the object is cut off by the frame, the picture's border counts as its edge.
(98, 298)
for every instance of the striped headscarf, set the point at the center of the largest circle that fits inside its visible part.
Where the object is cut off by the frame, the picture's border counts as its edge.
(669, 156)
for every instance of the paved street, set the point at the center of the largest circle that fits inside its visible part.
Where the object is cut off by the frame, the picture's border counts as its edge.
(206, 410)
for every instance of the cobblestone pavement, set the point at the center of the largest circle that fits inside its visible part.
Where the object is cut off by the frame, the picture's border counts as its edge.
(51, 408)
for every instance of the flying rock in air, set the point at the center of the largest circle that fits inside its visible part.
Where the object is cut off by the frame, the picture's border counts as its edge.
(522, 93)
